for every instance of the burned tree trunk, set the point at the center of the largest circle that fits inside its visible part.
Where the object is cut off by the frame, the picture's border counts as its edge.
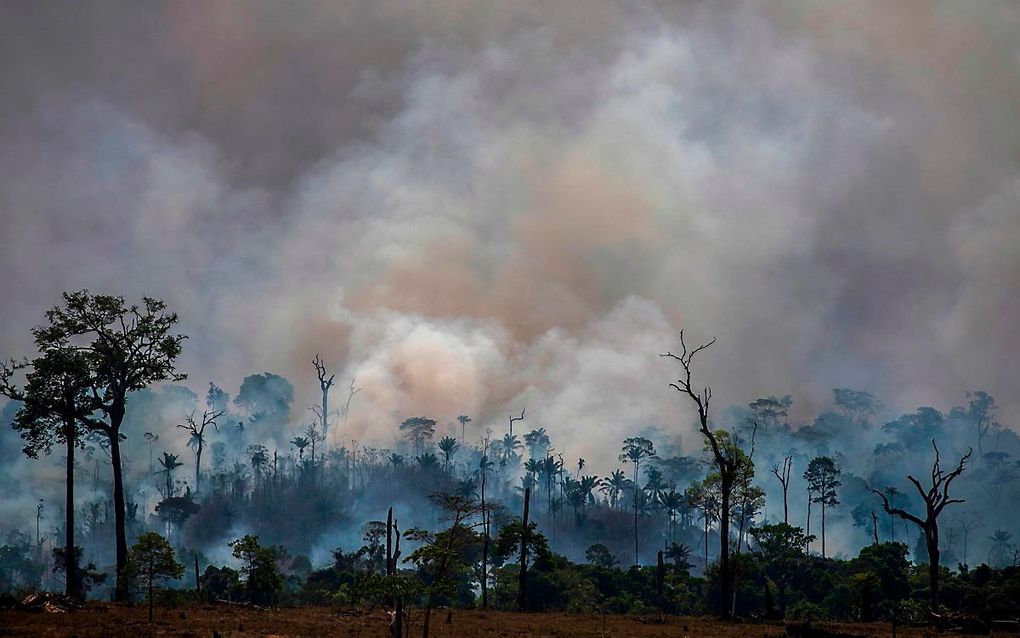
(522, 579)
(936, 498)
(726, 456)
(324, 385)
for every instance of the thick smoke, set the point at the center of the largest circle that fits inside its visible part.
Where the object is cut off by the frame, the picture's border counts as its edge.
(476, 209)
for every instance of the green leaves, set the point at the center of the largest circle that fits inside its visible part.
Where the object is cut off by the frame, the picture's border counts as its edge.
(153, 558)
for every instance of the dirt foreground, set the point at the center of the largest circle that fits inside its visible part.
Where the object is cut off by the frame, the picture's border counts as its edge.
(221, 620)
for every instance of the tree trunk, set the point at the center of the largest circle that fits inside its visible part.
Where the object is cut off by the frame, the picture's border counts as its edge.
(70, 557)
(636, 488)
(724, 547)
(485, 549)
(522, 582)
(660, 577)
(807, 532)
(198, 467)
(150, 594)
(931, 533)
(823, 529)
(786, 506)
(119, 517)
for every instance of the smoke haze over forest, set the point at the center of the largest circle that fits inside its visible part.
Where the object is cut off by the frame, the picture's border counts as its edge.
(476, 208)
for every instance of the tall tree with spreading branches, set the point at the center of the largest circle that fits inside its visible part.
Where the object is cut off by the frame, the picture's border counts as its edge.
(128, 348)
(55, 402)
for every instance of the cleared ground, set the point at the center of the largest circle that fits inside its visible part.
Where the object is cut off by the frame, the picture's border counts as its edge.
(224, 620)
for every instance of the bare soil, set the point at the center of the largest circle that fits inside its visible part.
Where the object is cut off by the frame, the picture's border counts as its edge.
(104, 619)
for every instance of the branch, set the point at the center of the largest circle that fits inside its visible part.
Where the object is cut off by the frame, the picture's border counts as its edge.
(897, 511)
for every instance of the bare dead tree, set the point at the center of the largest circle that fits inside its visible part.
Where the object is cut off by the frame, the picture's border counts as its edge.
(726, 456)
(936, 498)
(197, 430)
(515, 418)
(350, 395)
(783, 474)
(325, 384)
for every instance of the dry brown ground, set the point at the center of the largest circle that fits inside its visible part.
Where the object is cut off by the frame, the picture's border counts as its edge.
(210, 620)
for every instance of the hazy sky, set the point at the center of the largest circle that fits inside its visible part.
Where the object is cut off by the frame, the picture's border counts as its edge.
(474, 207)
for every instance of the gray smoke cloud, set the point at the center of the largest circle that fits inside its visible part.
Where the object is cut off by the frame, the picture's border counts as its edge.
(473, 208)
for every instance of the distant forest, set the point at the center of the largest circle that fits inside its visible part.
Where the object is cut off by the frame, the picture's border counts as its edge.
(856, 515)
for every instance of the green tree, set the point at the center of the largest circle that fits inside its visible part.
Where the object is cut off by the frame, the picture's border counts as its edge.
(56, 402)
(600, 556)
(150, 560)
(440, 554)
(780, 548)
(131, 348)
(258, 565)
(882, 572)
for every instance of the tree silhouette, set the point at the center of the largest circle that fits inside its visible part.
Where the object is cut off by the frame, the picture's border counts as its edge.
(325, 383)
(935, 498)
(55, 401)
(856, 405)
(448, 446)
(982, 410)
(635, 451)
(300, 442)
(197, 441)
(537, 442)
(783, 474)
(417, 430)
(131, 347)
(999, 554)
(822, 478)
(463, 419)
(169, 463)
(727, 457)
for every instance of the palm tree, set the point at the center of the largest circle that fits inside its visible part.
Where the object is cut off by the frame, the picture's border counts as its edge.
(169, 463)
(680, 554)
(300, 443)
(613, 485)
(999, 555)
(259, 456)
(656, 484)
(537, 442)
(395, 460)
(464, 420)
(574, 497)
(510, 444)
(671, 501)
(427, 462)
(448, 446)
